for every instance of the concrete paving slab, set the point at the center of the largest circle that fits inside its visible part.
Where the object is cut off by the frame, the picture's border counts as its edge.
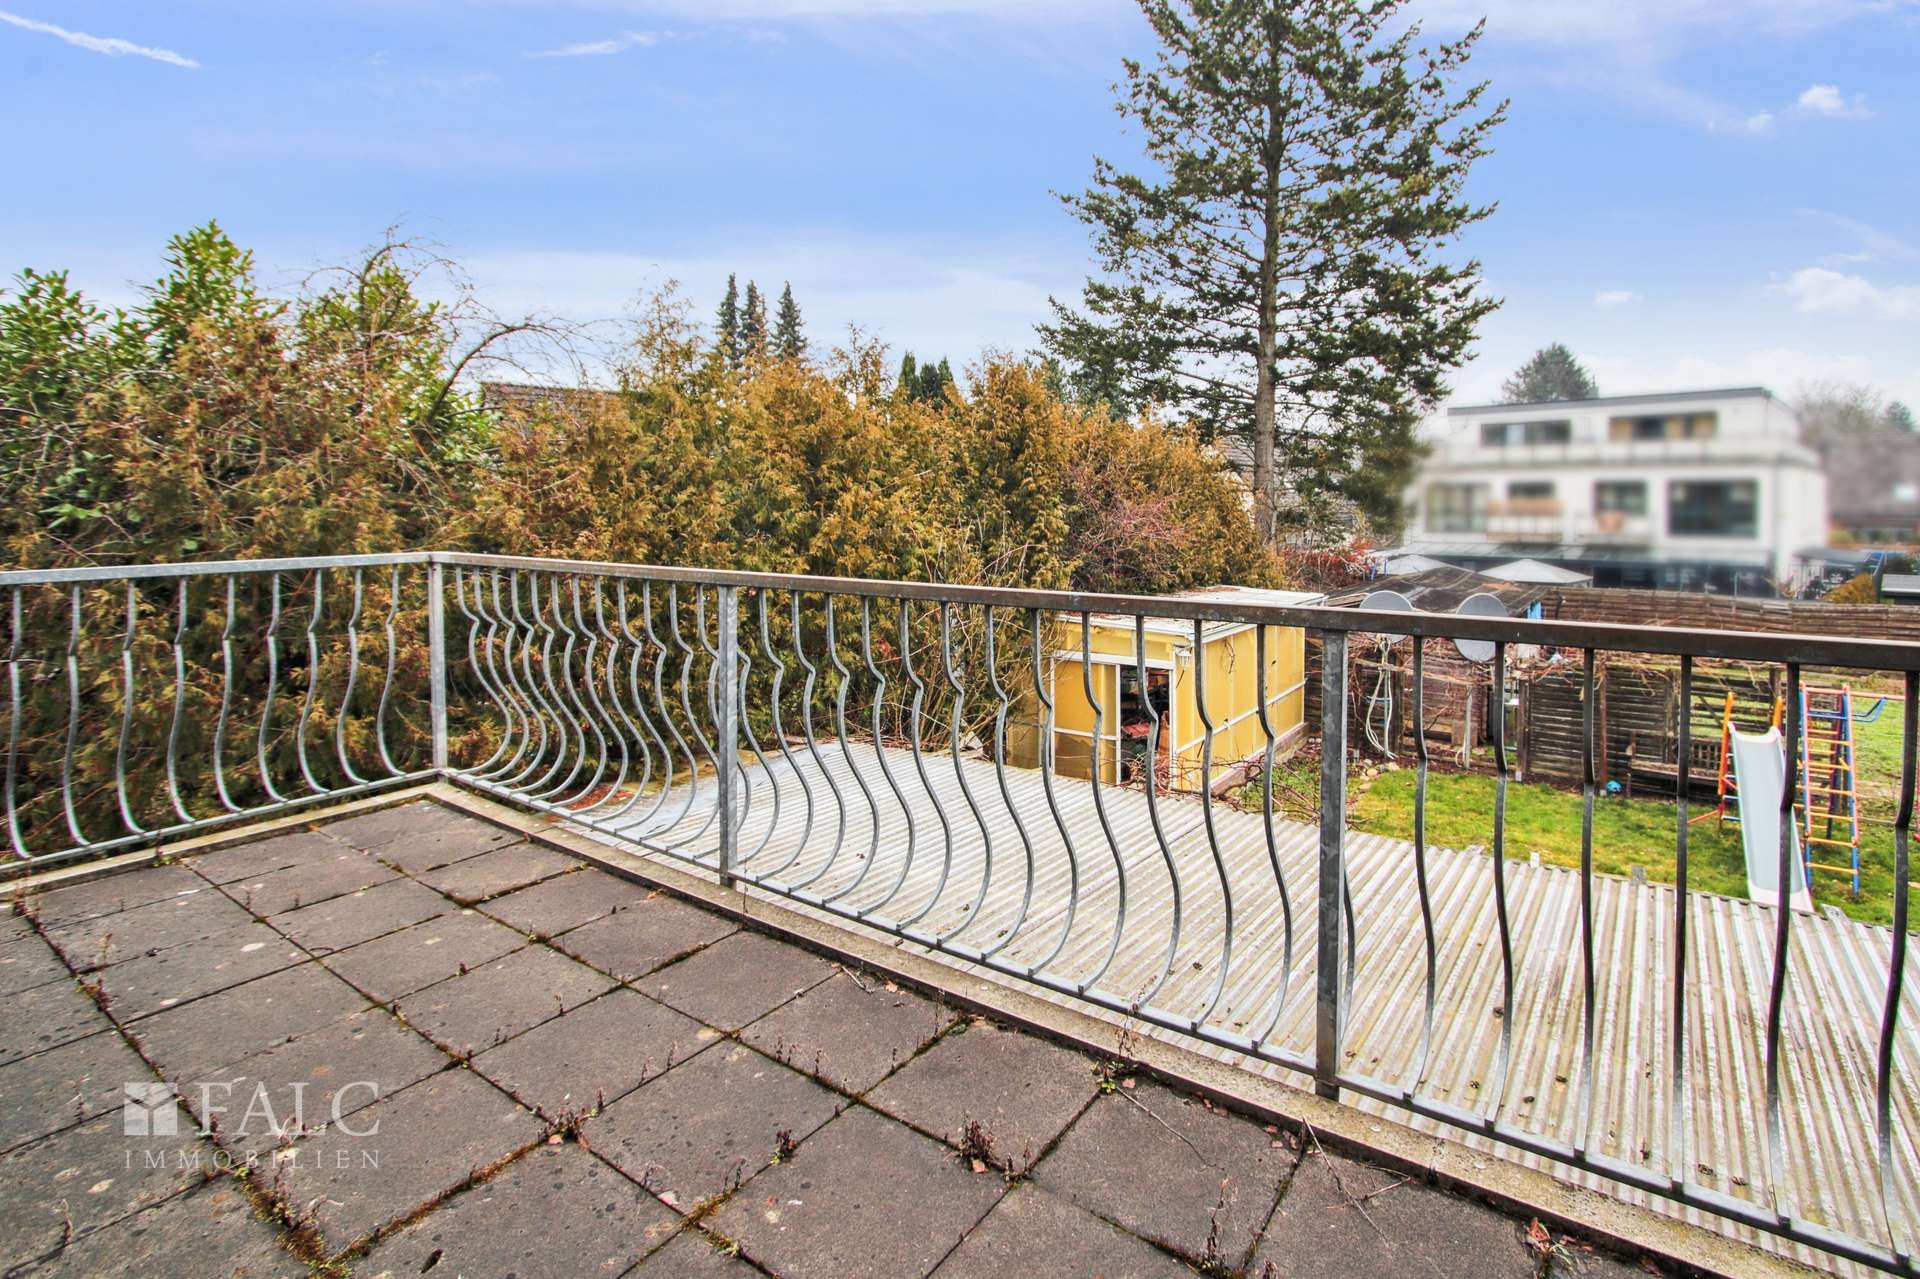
(320, 1076)
(258, 857)
(491, 1004)
(361, 916)
(1324, 1227)
(850, 1031)
(193, 1042)
(209, 1233)
(594, 1055)
(46, 1017)
(395, 1158)
(1021, 1089)
(501, 871)
(691, 1255)
(556, 1210)
(123, 890)
(340, 871)
(566, 901)
(414, 834)
(649, 934)
(1171, 1169)
(1033, 1232)
(65, 1086)
(94, 943)
(86, 1177)
(709, 1124)
(737, 980)
(14, 926)
(29, 962)
(147, 983)
(863, 1196)
(396, 965)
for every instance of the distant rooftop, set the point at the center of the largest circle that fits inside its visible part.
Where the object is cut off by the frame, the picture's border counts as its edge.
(1662, 397)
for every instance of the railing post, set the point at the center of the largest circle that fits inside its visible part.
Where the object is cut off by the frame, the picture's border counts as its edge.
(437, 658)
(727, 715)
(1329, 1023)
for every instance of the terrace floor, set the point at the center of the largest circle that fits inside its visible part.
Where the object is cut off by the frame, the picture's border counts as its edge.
(508, 1062)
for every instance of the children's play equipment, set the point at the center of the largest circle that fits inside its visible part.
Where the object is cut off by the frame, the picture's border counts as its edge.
(1753, 770)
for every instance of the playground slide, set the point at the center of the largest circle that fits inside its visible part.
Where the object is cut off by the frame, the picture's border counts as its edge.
(1760, 772)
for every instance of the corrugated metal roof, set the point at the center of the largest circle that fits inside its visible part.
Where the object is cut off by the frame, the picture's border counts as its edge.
(1836, 972)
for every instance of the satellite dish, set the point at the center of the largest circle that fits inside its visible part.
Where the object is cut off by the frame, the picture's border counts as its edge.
(1388, 602)
(1480, 605)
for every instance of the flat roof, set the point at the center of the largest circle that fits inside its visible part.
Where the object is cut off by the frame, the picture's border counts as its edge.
(1900, 584)
(1666, 397)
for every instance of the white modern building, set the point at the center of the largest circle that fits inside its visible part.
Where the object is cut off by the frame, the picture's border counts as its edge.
(1694, 490)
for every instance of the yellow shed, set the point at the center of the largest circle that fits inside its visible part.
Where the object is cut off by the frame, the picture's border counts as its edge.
(1229, 670)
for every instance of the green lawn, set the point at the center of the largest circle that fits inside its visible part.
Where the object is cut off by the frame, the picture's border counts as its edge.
(1626, 832)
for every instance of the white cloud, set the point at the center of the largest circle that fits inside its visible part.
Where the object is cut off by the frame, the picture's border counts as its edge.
(1827, 100)
(1816, 290)
(599, 48)
(1615, 297)
(112, 46)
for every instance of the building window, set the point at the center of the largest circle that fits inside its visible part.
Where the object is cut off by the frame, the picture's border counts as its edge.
(1457, 508)
(1530, 491)
(1713, 508)
(1501, 434)
(1620, 497)
(1663, 426)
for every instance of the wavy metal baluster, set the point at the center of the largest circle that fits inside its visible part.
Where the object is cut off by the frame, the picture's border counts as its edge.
(813, 750)
(386, 685)
(313, 681)
(1099, 798)
(920, 767)
(583, 719)
(663, 707)
(1679, 1170)
(1043, 688)
(1497, 1091)
(1789, 880)
(1005, 704)
(533, 742)
(565, 726)
(1421, 760)
(266, 703)
(1583, 1120)
(1266, 822)
(1897, 964)
(1152, 992)
(1206, 817)
(640, 709)
(743, 722)
(226, 702)
(353, 679)
(844, 681)
(483, 671)
(610, 665)
(179, 706)
(880, 754)
(529, 778)
(73, 720)
(13, 733)
(966, 792)
(779, 738)
(686, 700)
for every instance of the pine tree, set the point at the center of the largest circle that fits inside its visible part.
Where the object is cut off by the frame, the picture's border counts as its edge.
(789, 343)
(730, 324)
(1277, 271)
(753, 324)
(909, 383)
(1552, 374)
(1900, 417)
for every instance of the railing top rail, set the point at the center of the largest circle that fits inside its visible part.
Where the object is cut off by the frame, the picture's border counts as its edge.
(1751, 646)
(201, 568)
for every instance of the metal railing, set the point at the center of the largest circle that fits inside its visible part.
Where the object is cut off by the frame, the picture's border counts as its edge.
(891, 754)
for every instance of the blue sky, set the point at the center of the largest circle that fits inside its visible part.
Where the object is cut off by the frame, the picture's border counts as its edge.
(1692, 192)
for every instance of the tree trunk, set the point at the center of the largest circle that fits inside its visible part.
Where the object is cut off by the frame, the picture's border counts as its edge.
(1265, 474)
